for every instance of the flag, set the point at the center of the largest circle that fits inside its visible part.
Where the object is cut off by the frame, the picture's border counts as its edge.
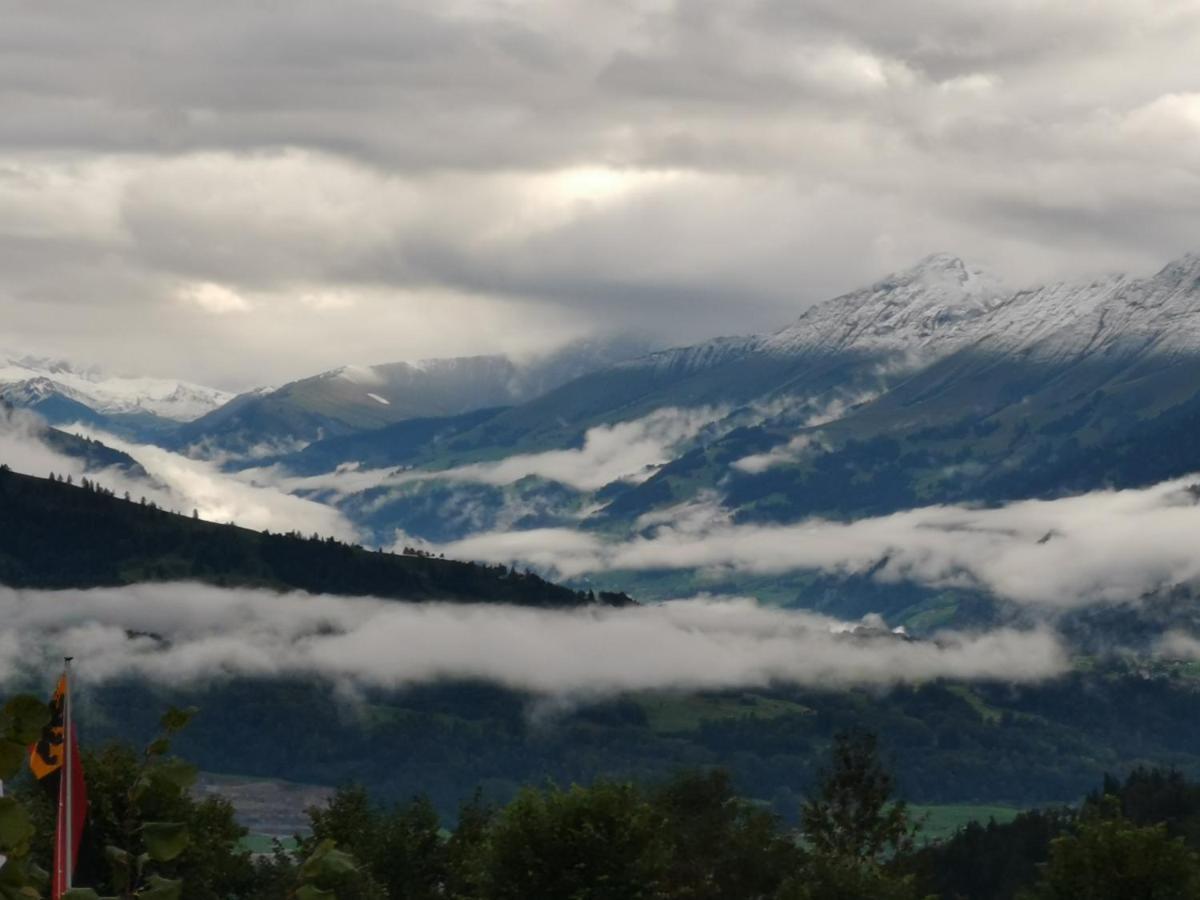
(46, 756)
(53, 759)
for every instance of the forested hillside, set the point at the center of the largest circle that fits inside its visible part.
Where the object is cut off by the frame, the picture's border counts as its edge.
(950, 744)
(58, 535)
(687, 836)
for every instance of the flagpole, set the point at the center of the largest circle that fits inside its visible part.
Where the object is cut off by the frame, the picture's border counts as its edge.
(68, 769)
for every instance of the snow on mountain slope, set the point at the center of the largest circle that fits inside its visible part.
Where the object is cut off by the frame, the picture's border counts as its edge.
(938, 304)
(942, 305)
(696, 358)
(449, 386)
(928, 310)
(360, 398)
(26, 380)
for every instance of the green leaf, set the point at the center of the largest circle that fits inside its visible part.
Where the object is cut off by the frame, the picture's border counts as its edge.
(175, 719)
(37, 875)
(14, 874)
(165, 840)
(80, 894)
(327, 863)
(308, 870)
(158, 747)
(15, 827)
(24, 718)
(171, 776)
(117, 858)
(159, 888)
(311, 892)
(12, 757)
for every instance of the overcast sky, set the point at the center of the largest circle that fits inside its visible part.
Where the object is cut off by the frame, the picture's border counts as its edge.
(240, 192)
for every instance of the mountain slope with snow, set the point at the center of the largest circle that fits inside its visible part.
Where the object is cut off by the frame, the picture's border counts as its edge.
(354, 399)
(30, 381)
(864, 343)
(932, 385)
(1045, 391)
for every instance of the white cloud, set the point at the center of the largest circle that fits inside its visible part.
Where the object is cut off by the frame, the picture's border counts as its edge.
(214, 298)
(1106, 546)
(176, 482)
(1172, 116)
(22, 448)
(974, 84)
(849, 69)
(202, 632)
(1178, 645)
(627, 451)
(220, 497)
(784, 454)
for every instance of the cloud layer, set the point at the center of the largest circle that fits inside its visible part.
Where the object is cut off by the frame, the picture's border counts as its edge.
(625, 451)
(186, 632)
(278, 188)
(1106, 546)
(175, 482)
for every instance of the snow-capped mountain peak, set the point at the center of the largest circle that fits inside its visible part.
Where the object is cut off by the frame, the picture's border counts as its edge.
(931, 303)
(26, 380)
(1185, 270)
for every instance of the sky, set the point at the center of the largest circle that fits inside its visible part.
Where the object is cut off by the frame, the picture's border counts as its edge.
(244, 193)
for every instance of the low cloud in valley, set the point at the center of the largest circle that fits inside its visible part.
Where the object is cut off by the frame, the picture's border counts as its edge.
(175, 482)
(181, 633)
(1105, 546)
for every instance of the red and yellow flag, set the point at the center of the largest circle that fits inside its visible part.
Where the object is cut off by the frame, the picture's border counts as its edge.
(46, 756)
(48, 760)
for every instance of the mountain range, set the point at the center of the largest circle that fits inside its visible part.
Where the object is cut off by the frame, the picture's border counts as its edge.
(63, 393)
(933, 385)
(354, 398)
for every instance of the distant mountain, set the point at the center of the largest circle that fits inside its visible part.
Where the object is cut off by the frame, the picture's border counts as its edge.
(54, 535)
(932, 385)
(857, 343)
(905, 346)
(95, 456)
(64, 394)
(360, 398)
(393, 445)
(1038, 393)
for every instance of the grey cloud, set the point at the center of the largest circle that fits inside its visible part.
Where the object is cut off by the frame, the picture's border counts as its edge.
(947, 38)
(1179, 645)
(420, 164)
(626, 451)
(175, 482)
(1103, 547)
(201, 632)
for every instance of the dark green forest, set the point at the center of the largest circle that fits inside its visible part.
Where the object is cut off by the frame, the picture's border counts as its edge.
(947, 743)
(687, 836)
(59, 535)
(950, 743)
(474, 791)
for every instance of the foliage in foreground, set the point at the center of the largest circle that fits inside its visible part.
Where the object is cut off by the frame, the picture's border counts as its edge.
(691, 837)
